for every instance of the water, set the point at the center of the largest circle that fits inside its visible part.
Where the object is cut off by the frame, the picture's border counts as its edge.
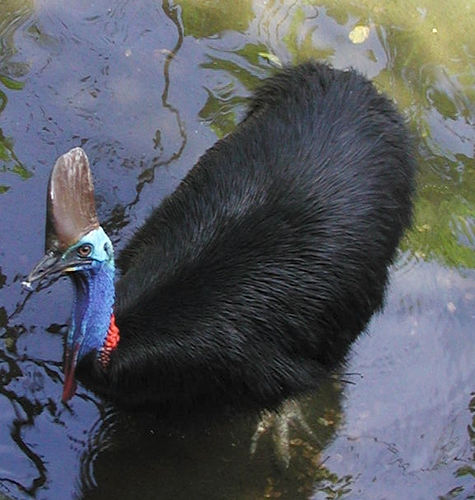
(145, 90)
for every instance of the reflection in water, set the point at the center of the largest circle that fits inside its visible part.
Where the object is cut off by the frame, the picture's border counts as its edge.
(118, 217)
(24, 409)
(12, 16)
(145, 92)
(147, 175)
(209, 19)
(411, 411)
(210, 461)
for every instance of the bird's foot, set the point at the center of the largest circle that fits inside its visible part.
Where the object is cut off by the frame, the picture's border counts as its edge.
(278, 423)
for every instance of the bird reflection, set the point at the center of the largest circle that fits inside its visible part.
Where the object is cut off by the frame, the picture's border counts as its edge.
(132, 455)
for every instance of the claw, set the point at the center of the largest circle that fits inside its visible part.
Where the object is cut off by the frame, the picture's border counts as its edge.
(279, 422)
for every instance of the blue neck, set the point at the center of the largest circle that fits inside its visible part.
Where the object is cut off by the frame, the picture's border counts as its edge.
(93, 306)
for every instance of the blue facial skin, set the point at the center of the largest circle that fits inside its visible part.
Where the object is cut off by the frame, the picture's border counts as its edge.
(94, 294)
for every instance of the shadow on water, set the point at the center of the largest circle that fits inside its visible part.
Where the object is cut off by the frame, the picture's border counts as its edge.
(145, 92)
(211, 460)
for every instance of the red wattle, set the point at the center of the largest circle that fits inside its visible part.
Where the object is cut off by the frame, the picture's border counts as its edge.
(69, 386)
(111, 341)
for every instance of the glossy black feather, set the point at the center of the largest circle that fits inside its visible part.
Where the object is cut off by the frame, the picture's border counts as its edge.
(249, 283)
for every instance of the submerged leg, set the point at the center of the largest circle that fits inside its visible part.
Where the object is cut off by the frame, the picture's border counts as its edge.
(278, 422)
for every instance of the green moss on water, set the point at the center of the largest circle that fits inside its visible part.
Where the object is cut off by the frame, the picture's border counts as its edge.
(9, 163)
(206, 18)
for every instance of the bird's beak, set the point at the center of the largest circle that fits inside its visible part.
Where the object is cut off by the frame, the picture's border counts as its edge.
(49, 264)
(53, 263)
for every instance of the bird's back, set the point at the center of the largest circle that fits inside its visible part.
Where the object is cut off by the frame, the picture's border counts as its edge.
(250, 281)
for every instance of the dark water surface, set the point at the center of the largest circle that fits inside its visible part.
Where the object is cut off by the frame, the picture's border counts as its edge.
(145, 87)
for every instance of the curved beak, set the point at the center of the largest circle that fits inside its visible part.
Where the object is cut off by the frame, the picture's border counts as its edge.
(53, 263)
(49, 264)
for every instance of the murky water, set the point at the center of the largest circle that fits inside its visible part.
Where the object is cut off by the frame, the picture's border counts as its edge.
(145, 87)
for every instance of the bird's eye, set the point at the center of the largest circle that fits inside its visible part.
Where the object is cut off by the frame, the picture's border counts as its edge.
(84, 250)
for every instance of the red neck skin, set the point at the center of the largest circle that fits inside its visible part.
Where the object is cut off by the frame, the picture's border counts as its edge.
(111, 342)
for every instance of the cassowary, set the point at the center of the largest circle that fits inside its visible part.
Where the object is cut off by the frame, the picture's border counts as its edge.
(249, 283)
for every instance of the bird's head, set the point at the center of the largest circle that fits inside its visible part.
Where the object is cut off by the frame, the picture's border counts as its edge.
(86, 256)
(77, 245)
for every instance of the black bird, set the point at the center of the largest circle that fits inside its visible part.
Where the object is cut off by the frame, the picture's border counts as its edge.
(249, 283)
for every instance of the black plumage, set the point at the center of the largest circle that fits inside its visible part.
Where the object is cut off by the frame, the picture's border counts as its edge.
(249, 283)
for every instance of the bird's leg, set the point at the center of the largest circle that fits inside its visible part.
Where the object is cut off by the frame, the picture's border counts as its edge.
(279, 422)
